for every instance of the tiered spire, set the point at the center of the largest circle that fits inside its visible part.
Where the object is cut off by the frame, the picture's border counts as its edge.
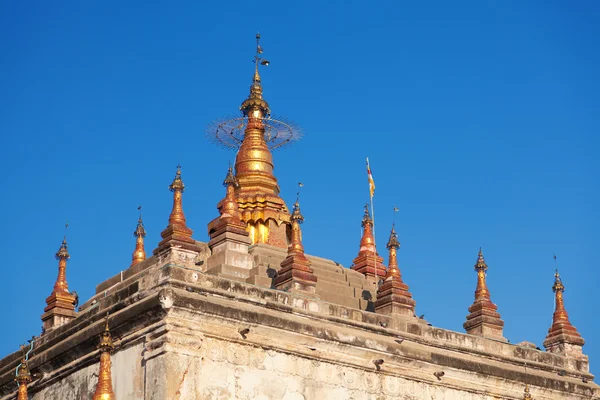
(177, 233)
(296, 274)
(563, 337)
(527, 394)
(23, 377)
(104, 389)
(262, 210)
(393, 296)
(139, 254)
(483, 319)
(61, 303)
(228, 237)
(368, 262)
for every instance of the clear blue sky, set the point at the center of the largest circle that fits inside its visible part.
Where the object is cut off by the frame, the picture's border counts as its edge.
(480, 119)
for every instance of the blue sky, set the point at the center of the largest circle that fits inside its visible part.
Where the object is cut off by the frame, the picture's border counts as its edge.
(480, 120)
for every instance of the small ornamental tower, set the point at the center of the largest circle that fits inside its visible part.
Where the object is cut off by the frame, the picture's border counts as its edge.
(228, 236)
(104, 389)
(296, 274)
(483, 319)
(60, 307)
(393, 296)
(563, 337)
(176, 234)
(139, 254)
(23, 377)
(368, 262)
(527, 395)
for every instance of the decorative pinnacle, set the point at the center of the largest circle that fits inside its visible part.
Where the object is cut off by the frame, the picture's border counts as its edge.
(296, 215)
(558, 285)
(230, 178)
(393, 242)
(367, 220)
(177, 184)
(62, 252)
(139, 230)
(106, 342)
(23, 375)
(527, 395)
(481, 265)
(255, 100)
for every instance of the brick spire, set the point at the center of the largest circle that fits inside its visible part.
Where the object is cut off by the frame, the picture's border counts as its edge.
(177, 233)
(563, 337)
(104, 389)
(483, 319)
(393, 296)
(296, 274)
(61, 303)
(23, 377)
(139, 254)
(368, 262)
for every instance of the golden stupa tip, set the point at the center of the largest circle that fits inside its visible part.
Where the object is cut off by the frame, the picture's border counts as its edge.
(480, 265)
(177, 184)
(367, 217)
(63, 249)
(106, 342)
(393, 241)
(230, 178)
(558, 285)
(296, 215)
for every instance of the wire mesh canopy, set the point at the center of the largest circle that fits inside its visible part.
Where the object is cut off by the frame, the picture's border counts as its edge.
(229, 132)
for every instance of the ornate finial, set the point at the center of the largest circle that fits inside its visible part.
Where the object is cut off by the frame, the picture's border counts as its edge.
(393, 241)
(23, 376)
(255, 102)
(177, 184)
(62, 252)
(139, 254)
(367, 220)
(527, 395)
(230, 178)
(480, 265)
(558, 285)
(296, 215)
(104, 389)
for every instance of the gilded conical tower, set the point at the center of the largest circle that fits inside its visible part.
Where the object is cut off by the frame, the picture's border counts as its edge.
(368, 262)
(262, 210)
(61, 303)
(296, 274)
(139, 254)
(104, 388)
(23, 377)
(563, 337)
(393, 296)
(483, 319)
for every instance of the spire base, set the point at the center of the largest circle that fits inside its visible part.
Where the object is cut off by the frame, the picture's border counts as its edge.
(564, 339)
(296, 276)
(369, 265)
(59, 311)
(483, 320)
(393, 297)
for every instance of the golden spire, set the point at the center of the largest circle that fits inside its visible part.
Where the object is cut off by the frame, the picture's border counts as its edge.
(228, 208)
(139, 254)
(393, 245)
(562, 332)
(23, 376)
(482, 292)
(393, 296)
(177, 232)
(62, 255)
(483, 319)
(177, 187)
(61, 303)
(296, 273)
(368, 261)
(104, 389)
(527, 395)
